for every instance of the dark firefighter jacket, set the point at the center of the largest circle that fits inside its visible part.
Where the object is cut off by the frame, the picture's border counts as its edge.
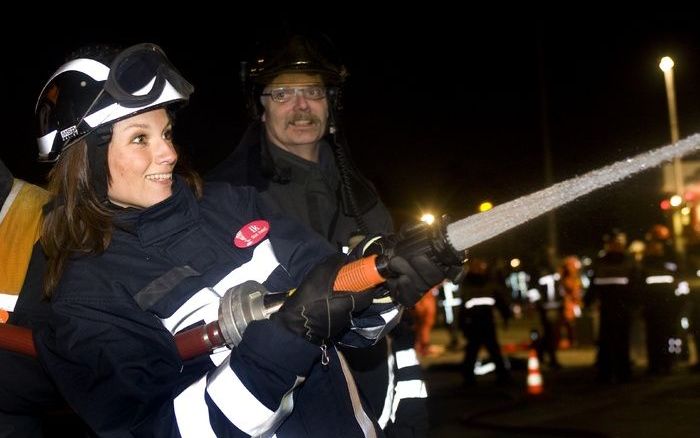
(309, 192)
(109, 342)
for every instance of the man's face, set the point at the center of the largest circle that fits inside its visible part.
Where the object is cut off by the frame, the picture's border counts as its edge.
(301, 121)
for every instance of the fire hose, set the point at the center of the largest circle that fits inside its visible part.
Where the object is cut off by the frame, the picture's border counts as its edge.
(444, 242)
(250, 301)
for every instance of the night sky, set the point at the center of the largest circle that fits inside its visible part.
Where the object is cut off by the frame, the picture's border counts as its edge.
(442, 110)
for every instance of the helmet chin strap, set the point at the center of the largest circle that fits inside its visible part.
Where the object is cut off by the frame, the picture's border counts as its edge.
(357, 193)
(97, 145)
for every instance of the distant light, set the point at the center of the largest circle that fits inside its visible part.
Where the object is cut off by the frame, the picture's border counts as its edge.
(666, 64)
(665, 204)
(485, 206)
(685, 211)
(636, 247)
(586, 261)
(481, 369)
(428, 218)
(675, 345)
(515, 263)
(682, 289)
(676, 200)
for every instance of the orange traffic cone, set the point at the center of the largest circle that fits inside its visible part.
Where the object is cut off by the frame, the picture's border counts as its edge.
(534, 377)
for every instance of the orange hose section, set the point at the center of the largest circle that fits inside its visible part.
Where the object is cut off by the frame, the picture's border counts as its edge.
(358, 275)
(17, 339)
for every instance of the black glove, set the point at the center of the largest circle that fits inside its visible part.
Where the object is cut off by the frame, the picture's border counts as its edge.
(314, 311)
(419, 260)
(414, 277)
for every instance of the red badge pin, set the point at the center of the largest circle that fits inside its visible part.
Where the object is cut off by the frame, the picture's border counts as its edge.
(251, 233)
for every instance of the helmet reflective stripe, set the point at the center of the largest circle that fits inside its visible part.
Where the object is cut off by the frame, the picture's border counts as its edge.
(45, 144)
(96, 70)
(113, 112)
(116, 111)
(85, 93)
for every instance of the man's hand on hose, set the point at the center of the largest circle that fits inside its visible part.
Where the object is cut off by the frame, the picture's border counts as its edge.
(415, 276)
(416, 270)
(314, 311)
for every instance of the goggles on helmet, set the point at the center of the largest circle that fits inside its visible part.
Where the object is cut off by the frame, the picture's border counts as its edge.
(140, 78)
(138, 75)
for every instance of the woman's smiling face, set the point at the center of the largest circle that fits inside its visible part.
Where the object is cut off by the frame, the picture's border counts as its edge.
(141, 158)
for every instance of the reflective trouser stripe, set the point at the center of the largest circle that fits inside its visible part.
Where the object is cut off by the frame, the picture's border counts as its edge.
(483, 301)
(404, 389)
(389, 397)
(361, 416)
(406, 358)
(659, 279)
(407, 389)
(602, 281)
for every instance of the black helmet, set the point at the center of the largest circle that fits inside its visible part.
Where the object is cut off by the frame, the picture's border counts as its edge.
(84, 94)
(297, 53)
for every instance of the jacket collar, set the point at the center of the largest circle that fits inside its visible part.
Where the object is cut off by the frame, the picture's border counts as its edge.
(179, 212)
(251, 164)
(292, 168)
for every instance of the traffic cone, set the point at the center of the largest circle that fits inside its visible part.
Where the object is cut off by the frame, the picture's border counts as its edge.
(534, 377)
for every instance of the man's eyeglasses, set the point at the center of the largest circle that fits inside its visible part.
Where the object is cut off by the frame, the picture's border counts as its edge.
(285, 94)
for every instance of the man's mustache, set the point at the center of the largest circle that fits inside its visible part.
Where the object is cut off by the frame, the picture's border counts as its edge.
(304, 117)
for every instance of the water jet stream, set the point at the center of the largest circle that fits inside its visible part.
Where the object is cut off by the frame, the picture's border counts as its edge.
(475, 229)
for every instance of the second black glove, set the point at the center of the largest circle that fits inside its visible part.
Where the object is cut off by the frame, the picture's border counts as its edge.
(414, 278)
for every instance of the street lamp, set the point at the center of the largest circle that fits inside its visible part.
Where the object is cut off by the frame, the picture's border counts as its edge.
(428, 218)
(666, 65)
(485, 206)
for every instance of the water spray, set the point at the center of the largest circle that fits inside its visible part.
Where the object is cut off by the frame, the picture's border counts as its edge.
(478, 228)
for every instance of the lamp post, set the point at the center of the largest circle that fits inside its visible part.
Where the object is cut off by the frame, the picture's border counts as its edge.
(666, 65)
